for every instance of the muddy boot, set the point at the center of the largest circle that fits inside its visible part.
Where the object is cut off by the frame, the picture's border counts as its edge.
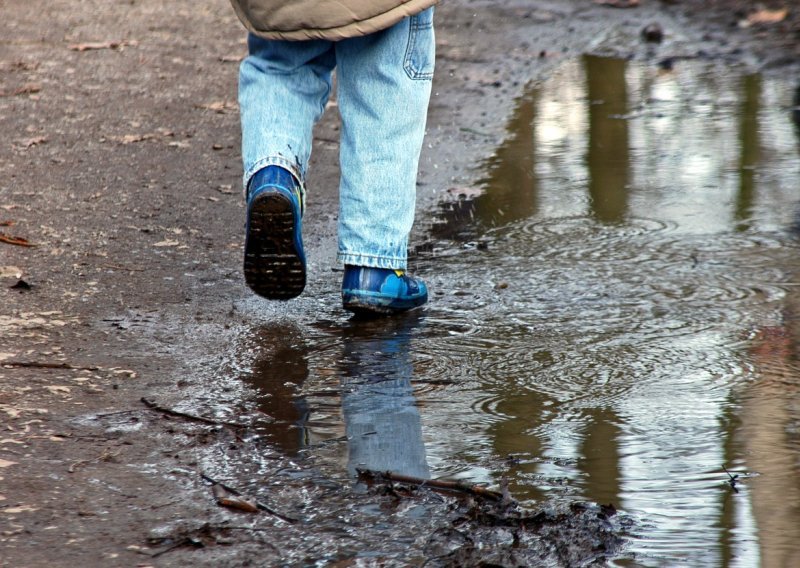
(384, 291)
(274, 261)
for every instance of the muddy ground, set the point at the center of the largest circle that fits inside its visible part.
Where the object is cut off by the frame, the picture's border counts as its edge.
(120, 163)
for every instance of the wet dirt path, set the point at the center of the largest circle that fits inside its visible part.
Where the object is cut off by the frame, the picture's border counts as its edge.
(613, 273)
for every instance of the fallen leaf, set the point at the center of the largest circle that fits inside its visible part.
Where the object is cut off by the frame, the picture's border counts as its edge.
(6, 463)
(19, 241)
(6, 271)
(767, 16)
(227, 499)
(20, 509)
(126, 372)
(35, 141)
(28, 88)
(132, 138)
(220, 106)
(92, 45)
(618, 3)
(12, 413)
(239, 504)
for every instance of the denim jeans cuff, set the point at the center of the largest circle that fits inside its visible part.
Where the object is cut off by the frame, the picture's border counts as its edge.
(373, 261)
(274, 161)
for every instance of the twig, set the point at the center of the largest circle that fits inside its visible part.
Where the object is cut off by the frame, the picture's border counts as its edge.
(187, 541)
(155, 407)
(233, 528)
(472, 489)
(732, 481)
(115, 412)
(45, 365)
(118, 267)
(19, 241)
(238, 493)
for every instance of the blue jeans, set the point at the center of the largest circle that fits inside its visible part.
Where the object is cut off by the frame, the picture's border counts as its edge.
(383, 89)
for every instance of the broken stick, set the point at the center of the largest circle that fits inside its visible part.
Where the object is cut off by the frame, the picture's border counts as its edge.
(169, 411)
(459, 486)
(45, 365)
(233, 491)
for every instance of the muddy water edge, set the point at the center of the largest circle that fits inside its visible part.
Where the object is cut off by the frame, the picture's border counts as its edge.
(614, 320)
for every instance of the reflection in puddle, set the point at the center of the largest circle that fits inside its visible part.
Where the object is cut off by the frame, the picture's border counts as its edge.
(278, 374)
(371, 362)
(382, 422)
(657, 244)
(628, 325)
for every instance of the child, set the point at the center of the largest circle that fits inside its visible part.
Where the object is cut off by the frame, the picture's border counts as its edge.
(383, 51)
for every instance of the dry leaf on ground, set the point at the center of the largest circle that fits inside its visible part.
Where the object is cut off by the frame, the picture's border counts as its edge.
(767, 16)
(618, 3)
(93, 45)
(131, 138)
(20, 509)
(11, 240)
(220, 106)
(26, 89)
(35, 141)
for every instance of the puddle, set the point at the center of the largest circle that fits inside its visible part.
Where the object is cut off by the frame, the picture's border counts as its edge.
(616, 317)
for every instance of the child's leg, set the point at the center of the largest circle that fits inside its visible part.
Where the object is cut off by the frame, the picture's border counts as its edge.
(384, 82)
(283, 88)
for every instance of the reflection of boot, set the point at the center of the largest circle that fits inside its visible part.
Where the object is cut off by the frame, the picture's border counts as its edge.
(382, 421)
(278, 375)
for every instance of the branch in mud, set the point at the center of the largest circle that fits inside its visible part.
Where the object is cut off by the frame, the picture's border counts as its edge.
(222, 493)
(12, 240)
(458, 486)
(170, 412)
(45, 365)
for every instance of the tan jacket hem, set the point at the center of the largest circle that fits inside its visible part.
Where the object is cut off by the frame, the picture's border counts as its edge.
(335, 32)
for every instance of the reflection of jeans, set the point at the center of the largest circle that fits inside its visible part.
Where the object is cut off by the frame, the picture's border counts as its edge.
(384, 84)
(383, 428)
(382, 422)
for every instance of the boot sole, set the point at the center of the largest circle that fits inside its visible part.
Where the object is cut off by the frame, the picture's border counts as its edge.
(365, 305)
(274, 266)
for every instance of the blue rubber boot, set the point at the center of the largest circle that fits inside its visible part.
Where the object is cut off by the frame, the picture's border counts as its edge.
(384, 291)
(274, 261)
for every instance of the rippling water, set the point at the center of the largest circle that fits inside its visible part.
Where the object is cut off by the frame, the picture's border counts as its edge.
(616, 316)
